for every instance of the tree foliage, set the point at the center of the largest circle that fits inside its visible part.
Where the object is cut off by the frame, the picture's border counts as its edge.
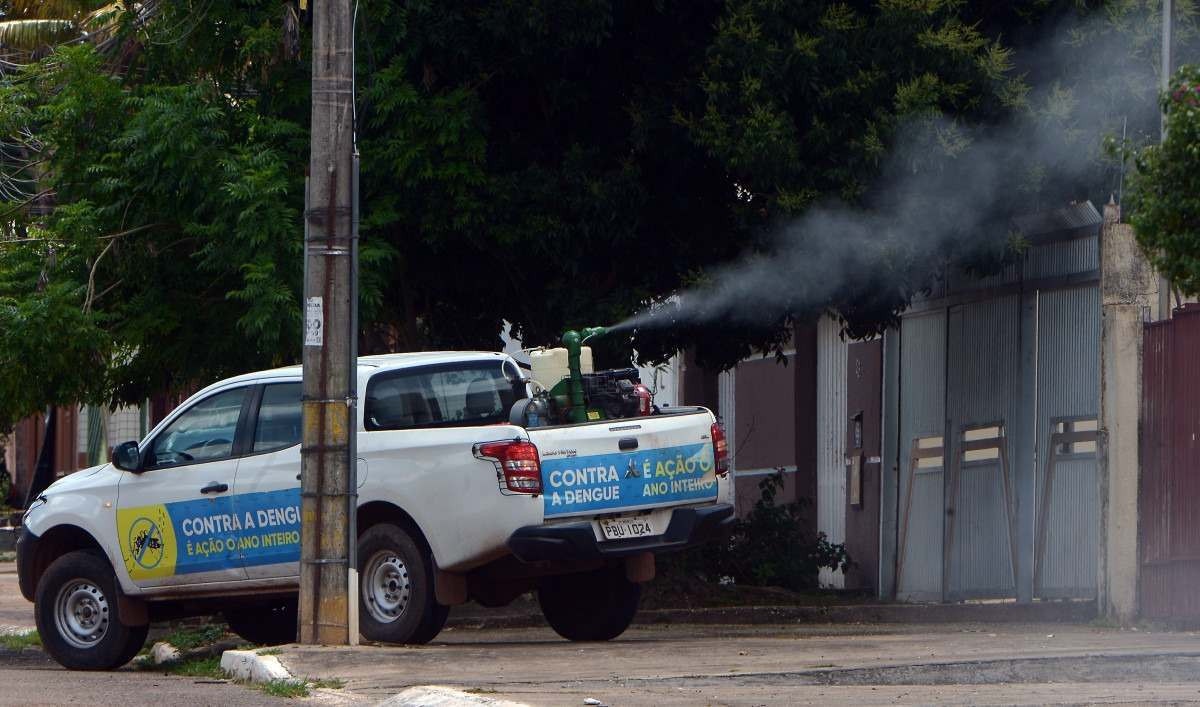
(572, 162)
(551, 164)
(1166, 188)
(173, 252)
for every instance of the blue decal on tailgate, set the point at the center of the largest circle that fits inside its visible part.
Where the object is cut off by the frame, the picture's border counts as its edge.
(653, 477)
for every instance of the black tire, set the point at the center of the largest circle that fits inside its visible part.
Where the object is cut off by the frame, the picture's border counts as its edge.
(272, 625)
(396, 597)
(79, 593)
(590, 606)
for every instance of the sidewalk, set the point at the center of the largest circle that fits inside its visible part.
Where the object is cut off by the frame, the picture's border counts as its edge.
(657, 665)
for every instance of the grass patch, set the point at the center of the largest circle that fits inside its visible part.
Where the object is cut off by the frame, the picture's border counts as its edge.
(292, 689)
(269, 651)
(187, 638)
(20, 641)
(209, 667)
(282, 688)
(8, 556)
(327, 684)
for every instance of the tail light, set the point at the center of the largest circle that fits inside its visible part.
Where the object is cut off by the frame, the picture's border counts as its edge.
(644, 398)
(720, 449)
(517, 463)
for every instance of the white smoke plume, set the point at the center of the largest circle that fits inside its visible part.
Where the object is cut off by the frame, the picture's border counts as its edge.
(926, 209)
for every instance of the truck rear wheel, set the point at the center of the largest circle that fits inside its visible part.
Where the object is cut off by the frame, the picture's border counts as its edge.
(396, 596)
(265, 625)
(589, 606)
(78, 617)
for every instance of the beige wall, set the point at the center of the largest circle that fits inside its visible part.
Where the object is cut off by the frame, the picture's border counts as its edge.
(1129, 291)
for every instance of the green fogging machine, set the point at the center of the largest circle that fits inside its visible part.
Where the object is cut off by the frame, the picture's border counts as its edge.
(572, 392)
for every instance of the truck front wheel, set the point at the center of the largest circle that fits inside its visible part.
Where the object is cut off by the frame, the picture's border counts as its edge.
(589, 606)
(78, 614)
(396, 595)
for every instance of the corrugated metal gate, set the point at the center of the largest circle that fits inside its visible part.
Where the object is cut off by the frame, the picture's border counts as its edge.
(1169, 497)
(922, 467)
(983, 365)
(996, 439)
(1066, 547)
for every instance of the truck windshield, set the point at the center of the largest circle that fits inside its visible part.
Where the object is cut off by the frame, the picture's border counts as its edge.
(447, 395)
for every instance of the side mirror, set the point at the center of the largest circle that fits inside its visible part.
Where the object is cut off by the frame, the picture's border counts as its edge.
(126, 457)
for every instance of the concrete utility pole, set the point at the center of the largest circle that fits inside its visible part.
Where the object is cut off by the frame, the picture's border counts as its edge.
(327, 446)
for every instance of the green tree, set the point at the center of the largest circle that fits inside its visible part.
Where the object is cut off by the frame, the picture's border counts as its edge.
(173, 252)
(552, 164)
(1166, 188)
(565, 163)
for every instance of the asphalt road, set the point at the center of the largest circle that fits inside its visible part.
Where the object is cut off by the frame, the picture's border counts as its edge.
(32, 678)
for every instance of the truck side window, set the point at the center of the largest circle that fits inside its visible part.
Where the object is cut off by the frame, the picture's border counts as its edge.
(450, 395)
(203, 433)
(278, 423)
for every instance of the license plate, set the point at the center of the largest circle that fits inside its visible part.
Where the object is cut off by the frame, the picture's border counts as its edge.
(625, 528)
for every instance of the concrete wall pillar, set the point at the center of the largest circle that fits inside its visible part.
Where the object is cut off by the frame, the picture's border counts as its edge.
(1129, 294)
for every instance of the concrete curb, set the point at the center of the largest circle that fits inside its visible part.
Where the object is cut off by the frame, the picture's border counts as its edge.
(1086, 667)
(163, 652)
(252, 667)
(439, 696)
(12, 630)
(1039, 612)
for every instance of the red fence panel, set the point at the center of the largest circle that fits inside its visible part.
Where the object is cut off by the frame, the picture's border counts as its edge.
(1169, 497)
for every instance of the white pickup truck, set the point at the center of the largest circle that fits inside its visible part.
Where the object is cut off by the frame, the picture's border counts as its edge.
(455, 503)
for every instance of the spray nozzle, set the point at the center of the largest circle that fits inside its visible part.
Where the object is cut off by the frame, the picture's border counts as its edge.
(572, 338)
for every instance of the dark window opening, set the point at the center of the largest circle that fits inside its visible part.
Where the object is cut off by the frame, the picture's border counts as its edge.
(450, 395)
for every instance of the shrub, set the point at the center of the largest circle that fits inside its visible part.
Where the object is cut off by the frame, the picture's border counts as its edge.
(766, 548)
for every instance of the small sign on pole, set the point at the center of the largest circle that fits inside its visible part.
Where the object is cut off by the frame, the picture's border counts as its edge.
(314, 322)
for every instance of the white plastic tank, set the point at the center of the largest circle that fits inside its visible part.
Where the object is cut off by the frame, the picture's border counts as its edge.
(549, 366)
